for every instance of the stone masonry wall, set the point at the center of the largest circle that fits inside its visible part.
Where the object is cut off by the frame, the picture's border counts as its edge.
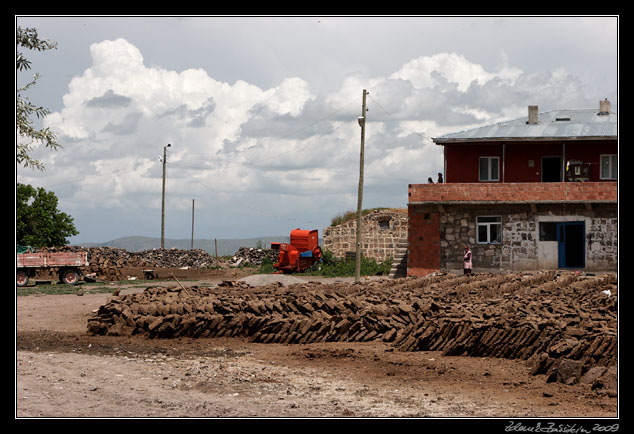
(603, 238)
(457, 228)
(521, 248)
(382, 230)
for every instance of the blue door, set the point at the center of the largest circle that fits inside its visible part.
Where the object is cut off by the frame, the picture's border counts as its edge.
(571, 244)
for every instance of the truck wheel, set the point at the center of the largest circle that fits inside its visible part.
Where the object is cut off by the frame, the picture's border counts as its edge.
(22, 278)
(70, 277)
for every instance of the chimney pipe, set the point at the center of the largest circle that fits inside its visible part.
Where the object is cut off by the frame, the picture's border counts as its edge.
(532, 115)
(604, 107)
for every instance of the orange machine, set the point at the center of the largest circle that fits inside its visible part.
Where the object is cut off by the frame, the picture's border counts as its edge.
(301, 253)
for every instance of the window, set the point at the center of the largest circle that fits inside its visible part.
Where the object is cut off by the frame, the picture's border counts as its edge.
(547, 231)
(489, 230)
(609, 166)
(489, 169)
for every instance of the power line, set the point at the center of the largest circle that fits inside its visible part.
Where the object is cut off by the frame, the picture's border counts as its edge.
(245, 163)
(299, 129)
(265, 142)
(391, 115)
(103, 174)
(252, 162)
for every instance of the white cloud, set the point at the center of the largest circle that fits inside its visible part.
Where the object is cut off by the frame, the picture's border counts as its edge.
(282, 151)
(430, 71)
(119, 108)
(289, 97)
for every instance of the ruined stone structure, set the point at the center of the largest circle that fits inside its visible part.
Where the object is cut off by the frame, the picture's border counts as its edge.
(382, 231)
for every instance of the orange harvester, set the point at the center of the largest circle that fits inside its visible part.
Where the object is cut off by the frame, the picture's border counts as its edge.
(301, 253)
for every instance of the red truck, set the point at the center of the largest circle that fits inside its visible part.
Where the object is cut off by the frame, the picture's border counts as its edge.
(67, 264)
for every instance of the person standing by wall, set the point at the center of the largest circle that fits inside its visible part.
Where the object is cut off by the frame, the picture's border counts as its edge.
(467, 260)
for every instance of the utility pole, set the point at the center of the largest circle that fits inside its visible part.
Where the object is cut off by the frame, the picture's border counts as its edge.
(163, 198)
(192, 246)
(361, 120)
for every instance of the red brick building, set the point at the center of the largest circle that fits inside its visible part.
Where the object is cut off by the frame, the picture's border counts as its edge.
(538, 192)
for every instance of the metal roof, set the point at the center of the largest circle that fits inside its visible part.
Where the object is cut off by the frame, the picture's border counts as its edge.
(579, 124)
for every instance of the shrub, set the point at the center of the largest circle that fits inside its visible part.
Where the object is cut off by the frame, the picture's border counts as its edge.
(334, 267)
(351, 215)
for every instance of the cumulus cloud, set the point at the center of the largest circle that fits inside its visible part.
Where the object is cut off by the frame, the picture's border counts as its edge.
(441, 68)
(244, 146)
(109, 100)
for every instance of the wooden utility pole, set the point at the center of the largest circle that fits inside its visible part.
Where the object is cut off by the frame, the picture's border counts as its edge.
(163, 198)
(192, 245)
(361, 120)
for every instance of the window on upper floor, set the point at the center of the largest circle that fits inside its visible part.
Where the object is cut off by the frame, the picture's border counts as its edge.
(489, 169)
(609, 166)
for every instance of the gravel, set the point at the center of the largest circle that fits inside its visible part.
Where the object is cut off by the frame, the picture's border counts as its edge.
(266, 279)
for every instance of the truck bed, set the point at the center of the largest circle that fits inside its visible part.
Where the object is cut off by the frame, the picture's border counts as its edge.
(59, 259)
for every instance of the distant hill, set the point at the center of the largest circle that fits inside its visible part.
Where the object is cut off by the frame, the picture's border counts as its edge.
(225, 247)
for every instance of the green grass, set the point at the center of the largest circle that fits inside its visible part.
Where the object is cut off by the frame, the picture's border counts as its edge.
(347, 216)
(351, 215)
(335, 267)
(266, 267)
(340, 268)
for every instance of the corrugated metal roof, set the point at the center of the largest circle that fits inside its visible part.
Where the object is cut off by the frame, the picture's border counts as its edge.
(555, 124)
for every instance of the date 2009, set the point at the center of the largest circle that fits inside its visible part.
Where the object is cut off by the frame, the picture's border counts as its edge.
(560, 428)
(606, 428)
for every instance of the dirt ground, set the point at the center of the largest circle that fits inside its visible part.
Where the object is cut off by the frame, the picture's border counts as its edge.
(63, 372)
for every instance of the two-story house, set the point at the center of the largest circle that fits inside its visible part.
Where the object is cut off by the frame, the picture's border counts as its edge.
(538, 192)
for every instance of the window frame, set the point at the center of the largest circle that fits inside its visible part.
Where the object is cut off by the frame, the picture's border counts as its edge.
(547, 230)
(488, 225)
(613, 160)
(489, 161)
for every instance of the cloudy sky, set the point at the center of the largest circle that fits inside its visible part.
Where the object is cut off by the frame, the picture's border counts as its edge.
(261, 112)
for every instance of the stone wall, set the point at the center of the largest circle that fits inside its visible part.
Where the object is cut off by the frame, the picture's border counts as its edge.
(603, 242)
(382, 230)
(520, 247)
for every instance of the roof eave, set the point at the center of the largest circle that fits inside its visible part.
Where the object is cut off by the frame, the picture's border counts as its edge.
(448, 141)
(507, 202)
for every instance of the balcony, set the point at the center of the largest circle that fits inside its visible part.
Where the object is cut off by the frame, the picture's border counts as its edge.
(513, 193)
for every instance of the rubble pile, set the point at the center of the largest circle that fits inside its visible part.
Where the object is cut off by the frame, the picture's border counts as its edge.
(107, 262)
(252, 256)
(163, 258)
(562, 325)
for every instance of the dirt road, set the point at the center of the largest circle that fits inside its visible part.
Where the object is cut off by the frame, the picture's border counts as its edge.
(61, 371)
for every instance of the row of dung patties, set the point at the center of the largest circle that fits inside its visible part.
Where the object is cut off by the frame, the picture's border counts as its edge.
(246, 256)
(563, 325)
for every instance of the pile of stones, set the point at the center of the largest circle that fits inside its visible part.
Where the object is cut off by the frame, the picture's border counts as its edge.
(562, 325)
(107, 262)
(164, 258)
(251, 256)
